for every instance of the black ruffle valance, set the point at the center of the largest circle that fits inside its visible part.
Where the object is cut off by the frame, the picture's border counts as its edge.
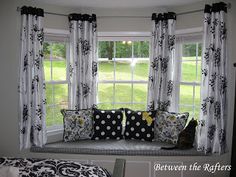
(32, 10)
(216, 7)
(82, 17)
(163, 16)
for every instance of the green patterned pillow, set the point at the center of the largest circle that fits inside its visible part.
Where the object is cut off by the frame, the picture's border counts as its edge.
(168, 125)
(78, 124)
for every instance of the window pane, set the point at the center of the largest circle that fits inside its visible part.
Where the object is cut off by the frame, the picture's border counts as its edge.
(106, 70)
(47, 69)
(46, 50)
(189, 71)
(54, 116)
(105, 106)
(123, 70)
(106, 49)
(49, 94)
(58, 51)
(122, 67)
(118, 106)
(61, 95)
(140, 69)
(123, 93)
(140, 93)
(55, 56)
(105, 93)
(140, 107)
(197, 112)
(49, 116)
(123, 49)
(59, 69)
(58, 118)
(199, 50)
(141, 49)
(186, 95)
(199, 71)
(197, 96)
(189, 52)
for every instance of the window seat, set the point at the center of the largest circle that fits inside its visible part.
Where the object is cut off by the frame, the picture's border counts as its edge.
(115, 147)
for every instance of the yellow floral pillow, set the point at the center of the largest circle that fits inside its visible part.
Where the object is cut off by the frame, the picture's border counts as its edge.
(78, 124)
(168, 125)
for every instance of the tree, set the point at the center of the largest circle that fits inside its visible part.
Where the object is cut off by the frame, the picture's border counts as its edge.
(46, 49)
(59, 50)
(190, 50)
(106, 49)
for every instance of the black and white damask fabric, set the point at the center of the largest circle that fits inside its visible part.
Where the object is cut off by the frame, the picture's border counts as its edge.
(83, 61)
(32, 100)
(53, 168)
(162, 63)
(213, 115)
(78, 124)
(107, 124)
(139, 125)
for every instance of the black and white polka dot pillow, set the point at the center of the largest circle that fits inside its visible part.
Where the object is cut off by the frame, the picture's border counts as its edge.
(139, 125)
(107, 124)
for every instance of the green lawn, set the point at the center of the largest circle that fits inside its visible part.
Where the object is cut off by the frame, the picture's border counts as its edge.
(123, 92)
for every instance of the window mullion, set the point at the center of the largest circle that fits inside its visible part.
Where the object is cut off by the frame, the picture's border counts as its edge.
(197, 61)
(132, 74)
(193, 100)
(67, 73)
(114, 64)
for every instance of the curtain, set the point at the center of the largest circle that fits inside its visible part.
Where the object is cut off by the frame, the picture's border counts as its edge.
(211, 129)
(31, 82)
(162, 64)
(83, 61)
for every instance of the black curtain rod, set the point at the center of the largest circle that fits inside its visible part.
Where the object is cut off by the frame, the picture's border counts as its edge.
(181, 13)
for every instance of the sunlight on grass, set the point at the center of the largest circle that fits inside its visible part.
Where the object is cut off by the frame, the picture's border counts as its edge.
(58, 71)
(123, 70)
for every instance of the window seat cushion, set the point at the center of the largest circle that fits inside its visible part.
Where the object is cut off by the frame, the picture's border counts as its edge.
(115, 147)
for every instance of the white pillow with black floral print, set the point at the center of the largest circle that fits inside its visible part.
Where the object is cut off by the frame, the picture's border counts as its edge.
(78, 124)
(168, 125)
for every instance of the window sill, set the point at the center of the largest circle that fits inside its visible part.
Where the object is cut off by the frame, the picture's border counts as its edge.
(54, 134)
(114, 147)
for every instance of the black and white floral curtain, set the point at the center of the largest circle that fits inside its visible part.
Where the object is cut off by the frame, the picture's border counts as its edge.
(212, 132)
(162, 63)
(83, 61)
(31, 82)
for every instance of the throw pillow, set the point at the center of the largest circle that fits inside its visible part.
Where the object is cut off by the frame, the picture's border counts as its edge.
(139, 125)
(168, 125)
(107, 124)
(78, 124)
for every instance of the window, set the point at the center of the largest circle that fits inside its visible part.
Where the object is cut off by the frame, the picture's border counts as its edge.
(123, 74)
(190, 78)
(56, 77)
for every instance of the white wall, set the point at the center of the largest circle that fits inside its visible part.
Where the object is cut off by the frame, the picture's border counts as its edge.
(10, 50)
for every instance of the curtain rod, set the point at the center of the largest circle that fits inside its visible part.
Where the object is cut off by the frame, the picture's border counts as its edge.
(181, 13)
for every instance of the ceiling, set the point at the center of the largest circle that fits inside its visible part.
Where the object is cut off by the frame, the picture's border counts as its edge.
(119, 3)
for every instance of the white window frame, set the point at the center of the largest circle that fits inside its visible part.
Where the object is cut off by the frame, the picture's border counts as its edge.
(193, 35)
(55, 35)
(123, 36)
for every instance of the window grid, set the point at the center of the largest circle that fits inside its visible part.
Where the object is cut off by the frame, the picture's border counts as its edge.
(115, 81)
(193, 84)
(54, 83)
